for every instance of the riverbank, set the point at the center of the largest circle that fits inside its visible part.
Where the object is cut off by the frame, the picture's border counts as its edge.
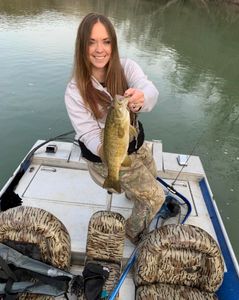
(205, 2)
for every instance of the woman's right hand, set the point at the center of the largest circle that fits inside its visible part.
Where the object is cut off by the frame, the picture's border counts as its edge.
(136, 99)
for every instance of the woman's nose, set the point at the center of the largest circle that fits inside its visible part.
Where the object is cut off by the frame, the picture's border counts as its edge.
(99, 47)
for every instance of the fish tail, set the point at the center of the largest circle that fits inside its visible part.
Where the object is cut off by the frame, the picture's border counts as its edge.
(112, 184)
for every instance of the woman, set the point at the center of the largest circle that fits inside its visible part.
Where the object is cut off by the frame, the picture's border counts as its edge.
(99, 75)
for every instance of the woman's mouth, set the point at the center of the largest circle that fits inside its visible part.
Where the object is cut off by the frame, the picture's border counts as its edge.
(99, 57)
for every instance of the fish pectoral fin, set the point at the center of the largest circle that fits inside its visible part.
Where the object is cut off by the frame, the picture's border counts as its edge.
(121, 132)
(126, 162)
(133, 133)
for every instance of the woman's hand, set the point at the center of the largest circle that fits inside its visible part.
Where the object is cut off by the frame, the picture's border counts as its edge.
(136, 99)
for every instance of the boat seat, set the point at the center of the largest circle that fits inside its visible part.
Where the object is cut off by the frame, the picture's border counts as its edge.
(105, 244)
(38, 234)
(32, 225)
(178, 260)
(177, 292)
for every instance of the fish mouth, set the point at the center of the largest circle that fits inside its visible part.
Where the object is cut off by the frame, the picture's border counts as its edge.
(122, 99)
(120, 102)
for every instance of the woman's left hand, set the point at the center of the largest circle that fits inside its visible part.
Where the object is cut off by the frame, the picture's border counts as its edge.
(136, 99)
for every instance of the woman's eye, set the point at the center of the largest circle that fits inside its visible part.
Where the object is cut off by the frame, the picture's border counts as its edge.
(104, 42)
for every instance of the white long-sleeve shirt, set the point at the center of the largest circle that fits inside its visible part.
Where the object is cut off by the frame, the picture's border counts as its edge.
(87, 128)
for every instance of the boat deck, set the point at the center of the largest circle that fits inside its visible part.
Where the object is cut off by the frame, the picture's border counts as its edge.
(65, 181)
(68, 192)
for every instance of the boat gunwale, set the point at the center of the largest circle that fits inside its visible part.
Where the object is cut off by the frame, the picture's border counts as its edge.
(232, 273)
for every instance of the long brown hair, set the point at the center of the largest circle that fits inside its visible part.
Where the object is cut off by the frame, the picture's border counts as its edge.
(115, 80)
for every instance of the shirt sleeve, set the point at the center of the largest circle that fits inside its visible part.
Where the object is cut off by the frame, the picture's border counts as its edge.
(87, 128)
(138, 80)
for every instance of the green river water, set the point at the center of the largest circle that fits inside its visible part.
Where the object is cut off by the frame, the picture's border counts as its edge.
(190, 52)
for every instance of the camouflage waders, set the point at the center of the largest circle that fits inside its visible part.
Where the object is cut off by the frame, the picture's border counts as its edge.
(139, 183)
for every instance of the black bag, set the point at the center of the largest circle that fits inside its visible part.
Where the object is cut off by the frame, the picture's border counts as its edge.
(94, 275)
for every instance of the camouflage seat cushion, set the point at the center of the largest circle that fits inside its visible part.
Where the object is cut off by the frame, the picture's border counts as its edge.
(106, 235)
(105, 244)
(176, 292)
(33, 229)
(180, 255)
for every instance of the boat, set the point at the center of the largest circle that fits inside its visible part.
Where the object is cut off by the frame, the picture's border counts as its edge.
(53, 177)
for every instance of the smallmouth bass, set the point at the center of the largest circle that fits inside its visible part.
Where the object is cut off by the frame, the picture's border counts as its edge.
(116, 139)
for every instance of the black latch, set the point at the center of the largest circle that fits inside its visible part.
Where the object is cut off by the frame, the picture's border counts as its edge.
(51, 148)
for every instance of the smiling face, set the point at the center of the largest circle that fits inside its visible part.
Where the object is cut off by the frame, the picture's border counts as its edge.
(99, 51)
